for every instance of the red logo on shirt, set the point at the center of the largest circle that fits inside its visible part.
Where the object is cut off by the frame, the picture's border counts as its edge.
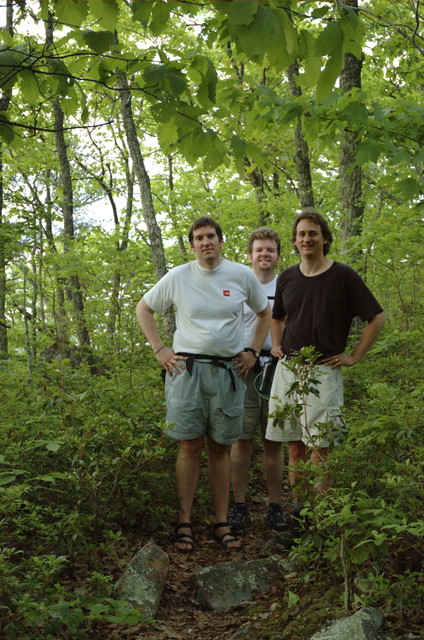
(225, 292)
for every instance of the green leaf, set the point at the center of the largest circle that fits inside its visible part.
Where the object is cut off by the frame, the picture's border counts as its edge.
(53, 445)
(311, 129)
(355, 113)
(293, 599)
(29, 86)
(160, 16)
(167, 135)
(329, 40)
(163, 111)
(197, 144)
(203, 72)
(255, 38)
(170, 79)
(70, 615)
(72, 12)
(290, 33)
(107, 12)
(240, 12)
(257, 154)
(154, 74)
(216, 157)
(320, 12)
(6, 37)
(175, 81)
(409, 187)
(329, 75)
(141, 11)
(238, 147)
(367, 151)
(7, 479)
(98, 41)
(6, 130)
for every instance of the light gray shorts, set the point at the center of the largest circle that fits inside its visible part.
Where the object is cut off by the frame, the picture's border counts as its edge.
(255, 410)
(320, 421)
(205, 403)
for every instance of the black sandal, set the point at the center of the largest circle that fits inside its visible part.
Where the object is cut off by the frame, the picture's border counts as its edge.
(226, 538)
(183, 538)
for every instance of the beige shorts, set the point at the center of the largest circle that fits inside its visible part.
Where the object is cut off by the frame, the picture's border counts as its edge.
(319, 423)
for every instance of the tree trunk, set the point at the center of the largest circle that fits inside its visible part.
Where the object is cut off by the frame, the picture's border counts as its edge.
(74, 290)
(301, 157)
(43, 213)
(351, 202)
(153, 230)
(68, 228)
(173, 212)
(4, 103)
(122, 246)
(3, 280)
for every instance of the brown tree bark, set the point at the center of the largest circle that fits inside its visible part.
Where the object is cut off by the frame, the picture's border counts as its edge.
(74, 290)
(4, 103)
(153, 229)
(3, 279)
(173, 211)
(42, 210)
(351, 201)
(301, 156)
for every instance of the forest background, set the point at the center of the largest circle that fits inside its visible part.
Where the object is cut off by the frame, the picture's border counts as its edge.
(121, 122)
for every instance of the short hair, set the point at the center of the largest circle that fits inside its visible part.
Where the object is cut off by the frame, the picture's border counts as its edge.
(204, 221)
(263, 233)
(310, 213)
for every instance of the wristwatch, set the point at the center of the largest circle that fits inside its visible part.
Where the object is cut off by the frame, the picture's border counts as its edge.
(255, 353)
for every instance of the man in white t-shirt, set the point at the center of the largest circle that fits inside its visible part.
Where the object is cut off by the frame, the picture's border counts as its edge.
(264, 255)
(205, 367)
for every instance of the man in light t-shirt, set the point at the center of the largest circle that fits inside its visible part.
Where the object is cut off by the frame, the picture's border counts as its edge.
(205, 367)
(264, 254)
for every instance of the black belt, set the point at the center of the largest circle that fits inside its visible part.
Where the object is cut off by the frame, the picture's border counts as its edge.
(218, 361)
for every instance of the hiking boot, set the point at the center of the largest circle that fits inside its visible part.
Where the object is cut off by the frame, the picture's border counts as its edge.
(238, 518)
(275, 518)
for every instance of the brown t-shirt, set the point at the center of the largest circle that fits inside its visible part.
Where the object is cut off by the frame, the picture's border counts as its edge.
(319, 310)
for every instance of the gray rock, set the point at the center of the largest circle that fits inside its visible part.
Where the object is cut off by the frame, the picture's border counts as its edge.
(278, 543)
(142, 582)
(362, 625)
(243, 632)
(223, 586)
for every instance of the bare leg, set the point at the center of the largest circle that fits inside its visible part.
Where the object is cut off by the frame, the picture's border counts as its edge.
(219, 478)
(274, 468)
(240, 463)
(187, 470)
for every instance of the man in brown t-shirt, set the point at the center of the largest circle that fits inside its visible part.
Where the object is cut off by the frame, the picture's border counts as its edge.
(315, 303)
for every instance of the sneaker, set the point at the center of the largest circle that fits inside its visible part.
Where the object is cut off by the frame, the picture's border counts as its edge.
(238, 518)
(275, 518)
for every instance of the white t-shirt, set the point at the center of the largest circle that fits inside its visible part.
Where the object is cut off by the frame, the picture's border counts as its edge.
(249, 317)
(209, 305)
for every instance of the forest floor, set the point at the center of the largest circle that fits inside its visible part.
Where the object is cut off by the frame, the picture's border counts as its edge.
(294, 609)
